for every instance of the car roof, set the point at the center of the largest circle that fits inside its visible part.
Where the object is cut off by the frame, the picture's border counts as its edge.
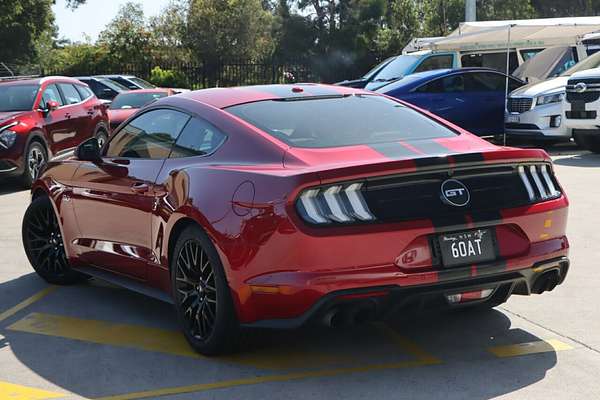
(227, 97)
(115, 76)
(141, 91)
(412, 80)
(39, 80)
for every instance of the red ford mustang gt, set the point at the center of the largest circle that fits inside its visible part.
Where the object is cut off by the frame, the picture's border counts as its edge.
(275, 206)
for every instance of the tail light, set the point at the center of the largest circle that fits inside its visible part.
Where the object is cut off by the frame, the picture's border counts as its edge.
(539, 182)
(336, 204)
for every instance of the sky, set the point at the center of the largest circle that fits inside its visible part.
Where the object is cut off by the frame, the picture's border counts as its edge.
(92, 17)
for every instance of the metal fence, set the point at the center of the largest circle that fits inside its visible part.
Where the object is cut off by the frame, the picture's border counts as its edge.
(202, 75)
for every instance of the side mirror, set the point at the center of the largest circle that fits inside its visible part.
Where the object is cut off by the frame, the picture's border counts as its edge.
(89, 151)
(52, 105)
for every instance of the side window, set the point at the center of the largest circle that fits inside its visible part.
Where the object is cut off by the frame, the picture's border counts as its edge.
(71, 94)
(431, 87)
(197, 139)
(84, 92)
(151, 135)
(51, 93)
(485, 82)
(435, 62)
(453, 83)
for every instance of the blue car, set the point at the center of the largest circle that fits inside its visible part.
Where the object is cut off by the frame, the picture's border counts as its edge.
(472, 98)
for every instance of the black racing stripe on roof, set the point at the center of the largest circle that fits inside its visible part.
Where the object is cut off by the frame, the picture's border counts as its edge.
(393, 150)
(436, 161)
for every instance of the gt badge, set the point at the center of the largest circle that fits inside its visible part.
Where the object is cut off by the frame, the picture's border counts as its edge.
(455, 193)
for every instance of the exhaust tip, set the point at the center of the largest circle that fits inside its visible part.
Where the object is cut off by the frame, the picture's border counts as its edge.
(546, 282)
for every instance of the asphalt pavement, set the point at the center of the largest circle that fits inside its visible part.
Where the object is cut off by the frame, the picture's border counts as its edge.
(101, 342)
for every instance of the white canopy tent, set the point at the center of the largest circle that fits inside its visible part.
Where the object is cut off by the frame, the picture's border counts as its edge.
(527, 33)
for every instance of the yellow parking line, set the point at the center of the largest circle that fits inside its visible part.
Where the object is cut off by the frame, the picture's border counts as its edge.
(407, 345)
(27, 302)
(263, 379)
(102, 332)
(18, 392)
(540, 346)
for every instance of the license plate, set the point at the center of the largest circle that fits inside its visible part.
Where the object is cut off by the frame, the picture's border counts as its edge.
(470, 247)
(515, 119)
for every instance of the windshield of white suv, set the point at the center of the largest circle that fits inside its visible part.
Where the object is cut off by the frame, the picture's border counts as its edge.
(17, 97)
(397, 68)
(592, 61)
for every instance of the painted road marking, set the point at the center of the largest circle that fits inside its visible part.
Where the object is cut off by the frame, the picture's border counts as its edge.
(539, 346)
(17, 392)
(27, 302)
(407, 345)
(264, 379)
(306, 353)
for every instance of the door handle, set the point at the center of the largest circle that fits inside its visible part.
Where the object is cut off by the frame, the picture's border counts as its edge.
(67, 115)
(140, 187)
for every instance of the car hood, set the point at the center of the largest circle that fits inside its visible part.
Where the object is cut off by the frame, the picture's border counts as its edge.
(8, 115)
(120, 115)
(534, 89)
(588, 73)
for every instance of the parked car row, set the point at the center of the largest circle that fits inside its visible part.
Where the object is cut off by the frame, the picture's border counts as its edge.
(42, 118)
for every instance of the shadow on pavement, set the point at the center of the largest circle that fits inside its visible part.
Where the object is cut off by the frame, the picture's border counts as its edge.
(8, 186)
(580, 160)
(460, 340)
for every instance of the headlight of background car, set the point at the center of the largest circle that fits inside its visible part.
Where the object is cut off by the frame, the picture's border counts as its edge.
(7, 138)
(549, 98)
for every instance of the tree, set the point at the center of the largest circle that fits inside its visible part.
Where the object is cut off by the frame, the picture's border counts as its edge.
(22, 24)
(226, 29)
(127, 37)
(168, 30)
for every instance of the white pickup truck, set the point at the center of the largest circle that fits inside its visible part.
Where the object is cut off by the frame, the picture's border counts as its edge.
(582, 108)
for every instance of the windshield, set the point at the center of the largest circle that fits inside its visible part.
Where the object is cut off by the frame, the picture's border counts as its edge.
(142, 83)
(377, 68)
(339, 121)
(117, 87)
(17, 97)
(399, 67)
(592, 61)
(135, 100)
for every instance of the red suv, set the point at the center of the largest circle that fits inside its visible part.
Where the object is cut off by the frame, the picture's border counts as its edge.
(45, 117)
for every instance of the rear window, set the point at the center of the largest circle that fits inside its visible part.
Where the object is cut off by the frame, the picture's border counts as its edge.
(339, 121)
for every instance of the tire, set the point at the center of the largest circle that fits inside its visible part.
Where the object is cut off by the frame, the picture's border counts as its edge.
(35, 158)
(578, 140)
(43, 244)
(202, 296)
(102, 137)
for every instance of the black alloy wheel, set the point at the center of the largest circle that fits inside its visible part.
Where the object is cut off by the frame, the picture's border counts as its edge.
(44, 245)
(35, 159)
(196, 289)
(202, 296)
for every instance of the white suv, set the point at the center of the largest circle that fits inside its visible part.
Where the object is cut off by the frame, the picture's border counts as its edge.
(535, 111)
(582, 108)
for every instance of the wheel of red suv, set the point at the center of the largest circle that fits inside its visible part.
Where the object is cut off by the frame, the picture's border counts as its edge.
(35, 158)
(202, 297)
(102, 138)
(43, 244)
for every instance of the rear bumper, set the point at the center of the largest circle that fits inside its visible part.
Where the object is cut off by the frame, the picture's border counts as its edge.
(397, 257)
(383, 300)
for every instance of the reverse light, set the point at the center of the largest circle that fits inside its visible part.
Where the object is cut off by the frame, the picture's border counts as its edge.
(7, 138)
(469, 296)
(334, 204)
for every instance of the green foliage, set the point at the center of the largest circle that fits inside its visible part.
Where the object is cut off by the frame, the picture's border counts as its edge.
(22, 24)
(226, 29)
(167, 78)
(127, 36)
